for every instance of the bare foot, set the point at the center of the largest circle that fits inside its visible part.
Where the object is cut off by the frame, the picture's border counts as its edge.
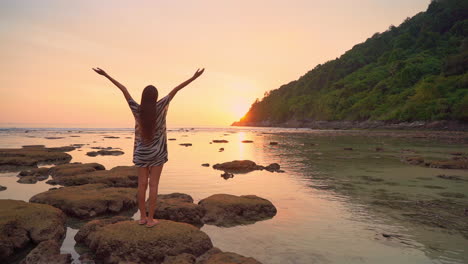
(142, 221)
(152, 222)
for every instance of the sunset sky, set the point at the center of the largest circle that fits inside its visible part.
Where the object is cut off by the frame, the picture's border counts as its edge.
(48, 48)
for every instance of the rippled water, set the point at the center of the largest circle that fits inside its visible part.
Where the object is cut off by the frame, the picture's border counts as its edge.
(313, 224)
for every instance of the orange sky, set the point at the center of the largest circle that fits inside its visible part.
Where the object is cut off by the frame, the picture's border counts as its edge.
(48, 48)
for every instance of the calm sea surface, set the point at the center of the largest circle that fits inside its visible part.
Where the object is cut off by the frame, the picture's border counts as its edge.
(313, 224)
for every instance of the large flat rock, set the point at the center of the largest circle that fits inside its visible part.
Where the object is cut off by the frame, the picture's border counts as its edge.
(238, 166)
(230, 210)
(25, 224)
(128, 242)
(30, 157)
(244, 166)
(120, 176)
(59, 172)
(89, 200)
(179, 207)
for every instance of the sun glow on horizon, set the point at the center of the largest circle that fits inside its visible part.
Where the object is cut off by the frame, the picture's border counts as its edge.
(50, 47)
(240, 109)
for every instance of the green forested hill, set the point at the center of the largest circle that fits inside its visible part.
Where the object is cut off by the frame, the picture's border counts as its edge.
(416, 71)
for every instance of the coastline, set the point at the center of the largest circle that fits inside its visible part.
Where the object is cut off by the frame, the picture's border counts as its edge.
(442, 125)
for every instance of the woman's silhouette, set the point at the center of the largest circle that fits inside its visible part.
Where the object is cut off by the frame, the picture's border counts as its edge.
(150, 146)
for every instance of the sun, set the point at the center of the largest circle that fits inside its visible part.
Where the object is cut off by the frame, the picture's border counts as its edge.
(240, 108)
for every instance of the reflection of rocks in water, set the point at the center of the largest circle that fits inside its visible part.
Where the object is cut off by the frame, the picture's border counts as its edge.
(227, 175)
(186, 144)
(230, 210)
(205, 164)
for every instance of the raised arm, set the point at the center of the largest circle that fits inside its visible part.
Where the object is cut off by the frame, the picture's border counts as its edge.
(182, 85)
(115, 82)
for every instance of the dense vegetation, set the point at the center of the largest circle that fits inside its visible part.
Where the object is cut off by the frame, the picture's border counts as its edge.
(416, 71)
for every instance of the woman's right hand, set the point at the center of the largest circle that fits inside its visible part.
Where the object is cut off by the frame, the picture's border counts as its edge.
(100, 71)
(198, 73)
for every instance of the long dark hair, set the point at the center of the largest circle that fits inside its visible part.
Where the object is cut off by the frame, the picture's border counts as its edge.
(148, 112)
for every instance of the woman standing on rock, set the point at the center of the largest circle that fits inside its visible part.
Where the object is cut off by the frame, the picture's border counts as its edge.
(150, 146)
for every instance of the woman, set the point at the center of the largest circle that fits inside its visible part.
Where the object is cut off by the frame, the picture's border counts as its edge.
(150, 146)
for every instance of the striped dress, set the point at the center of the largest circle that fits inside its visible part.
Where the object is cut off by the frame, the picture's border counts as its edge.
(153, 153)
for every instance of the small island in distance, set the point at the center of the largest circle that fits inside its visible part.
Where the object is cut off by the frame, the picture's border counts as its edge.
(410, 76)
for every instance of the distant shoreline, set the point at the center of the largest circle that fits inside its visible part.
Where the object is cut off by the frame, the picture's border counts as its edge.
(443, 125)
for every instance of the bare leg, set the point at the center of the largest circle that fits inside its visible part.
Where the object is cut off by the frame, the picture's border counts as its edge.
(143, 174)
(155, 173)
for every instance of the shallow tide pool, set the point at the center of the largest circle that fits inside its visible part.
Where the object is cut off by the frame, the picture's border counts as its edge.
(318, 220)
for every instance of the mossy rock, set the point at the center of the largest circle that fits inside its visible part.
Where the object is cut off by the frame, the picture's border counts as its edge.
(449, 164)
(230, 210)
(30, 157)
(238, 166)
(120, 176)
(216, 256)
(47, 252)
(71, 169)
(103, 152)
(89, 200)
(27, 180)
(36, 172)
(23, 225)
(58, 172)
(179, 207)
(414, 160)
(128, 242)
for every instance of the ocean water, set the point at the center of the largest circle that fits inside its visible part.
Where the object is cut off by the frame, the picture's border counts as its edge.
(314, 224)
